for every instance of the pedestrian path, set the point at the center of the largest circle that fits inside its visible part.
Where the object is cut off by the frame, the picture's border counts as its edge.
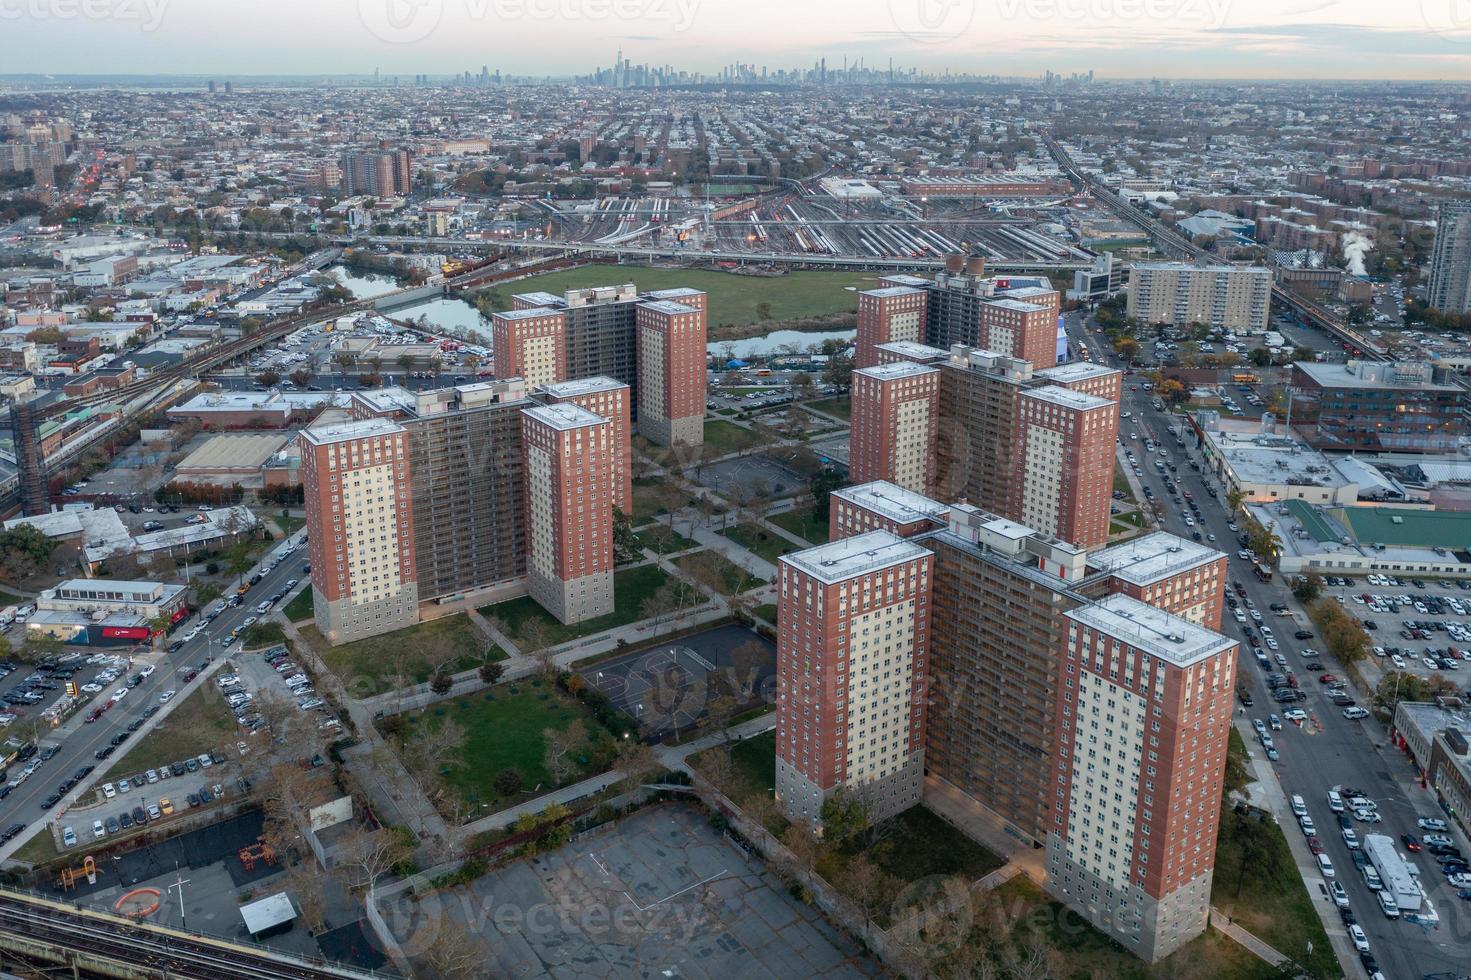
(1222, 923)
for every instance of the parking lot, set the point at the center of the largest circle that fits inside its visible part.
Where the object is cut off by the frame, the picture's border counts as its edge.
(1422, 626)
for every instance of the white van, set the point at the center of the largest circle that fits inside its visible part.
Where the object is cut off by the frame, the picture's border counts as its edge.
(1325, 865)
(1299, 806)
(1335, 802)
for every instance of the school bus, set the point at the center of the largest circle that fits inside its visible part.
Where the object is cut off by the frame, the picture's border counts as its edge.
(1244, 378)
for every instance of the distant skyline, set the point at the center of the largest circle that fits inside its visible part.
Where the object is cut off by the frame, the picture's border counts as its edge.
(1184, 39)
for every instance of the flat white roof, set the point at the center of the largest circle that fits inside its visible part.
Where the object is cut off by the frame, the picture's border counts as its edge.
(896, 371)
(1075, 371)
(563, 416)
(894, 502)
(892, 291)
(1153, 557)
(911, 348)
(1017, 305)
(269, 912)
(1067, 397)
(344, 431)
(855, 556)
(582, 386)
(526, 314)
(1176, 641)
(539, 298)
(669, 306)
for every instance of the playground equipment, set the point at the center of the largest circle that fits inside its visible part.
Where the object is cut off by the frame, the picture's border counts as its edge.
(259, 851)
(67, 879)
(139, 903)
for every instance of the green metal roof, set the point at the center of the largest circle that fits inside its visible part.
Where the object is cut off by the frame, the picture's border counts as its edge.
(1399, 527)
(1312, 521)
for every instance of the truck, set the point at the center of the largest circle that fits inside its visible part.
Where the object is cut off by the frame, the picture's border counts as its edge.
(1396, 879)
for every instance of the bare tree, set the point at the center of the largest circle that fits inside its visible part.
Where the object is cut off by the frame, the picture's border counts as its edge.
(433, 749)
(306, 884)
(717, 766)
(560, 744)
(454, 955)
(868, 885)
(367, 855)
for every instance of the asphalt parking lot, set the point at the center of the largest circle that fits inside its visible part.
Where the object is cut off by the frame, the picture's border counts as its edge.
(1404, 635)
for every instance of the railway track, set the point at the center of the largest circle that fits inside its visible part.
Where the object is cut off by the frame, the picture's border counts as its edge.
(151, 949)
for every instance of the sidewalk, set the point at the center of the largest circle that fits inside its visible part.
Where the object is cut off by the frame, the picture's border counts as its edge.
(1223, 924)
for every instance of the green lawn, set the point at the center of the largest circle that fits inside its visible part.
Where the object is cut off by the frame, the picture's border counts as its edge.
(646, 500)
(753, 766)
(804, 523)
(262, 634)
(630, 588)
(733, 578)
(663, 540)
(504, 728)
(10, 599)
(40, 849)
(766, 611)
(300, 607)
(201, 722)
(1257, 884)
(406, 656)
(913, 845)
(839, 408)
(759, 541)
(734, 299)
(723, 437)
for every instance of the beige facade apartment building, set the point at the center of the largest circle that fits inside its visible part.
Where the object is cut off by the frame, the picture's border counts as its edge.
(895, 422)
(569, 510)
(887, 315)
(530, 344)
(360, 528)
(671, 372)
(609, 398)
(1227, 297)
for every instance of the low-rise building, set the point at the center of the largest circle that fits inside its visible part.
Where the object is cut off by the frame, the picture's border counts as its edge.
(1265, 461)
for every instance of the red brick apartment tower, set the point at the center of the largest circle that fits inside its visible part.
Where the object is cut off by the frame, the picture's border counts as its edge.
(529, 344)
(882, 506)
(895, 425)
(610, 399)
(852, 646)
(886, 315)
(1024, 330)
(1062, 472)
(360, 528)
(1179, 576)
(671, 373)
(1143, 718)
(569, 510)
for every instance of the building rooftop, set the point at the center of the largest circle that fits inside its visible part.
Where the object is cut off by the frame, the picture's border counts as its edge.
(532, 313)
(267, 913)
(539, 298)
(914, 350)
(582, 386)
(1152, 557)
(1017, 305)
(1068, 398)
(1269, 456)
(894, 502)
(234, 450)
(1154, 631)
(861, 554)
(1214, 268)
(392, 399)
(668, 307)
(346, 431)
(563, 417)
(1374, 375)
(1075, 371)
(896, 371)
(673, 293)
(892, 291)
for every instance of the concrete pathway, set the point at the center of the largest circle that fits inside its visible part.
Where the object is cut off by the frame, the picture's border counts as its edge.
(1222, 923)
(985, 827)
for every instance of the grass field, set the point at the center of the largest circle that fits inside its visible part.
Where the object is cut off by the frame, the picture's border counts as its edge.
(661, 539)
(726, 437)
(630, 588)
(753, 767)
(766, 611)
(262, 634)
(504, 729)
(300, 608)
(913, 845)
(759, 541)
(202, 721)
(733, 577)
(803, 523)
(646, 500)
(733, 299)
(1257, 884)
(413, 653)
(839, 408)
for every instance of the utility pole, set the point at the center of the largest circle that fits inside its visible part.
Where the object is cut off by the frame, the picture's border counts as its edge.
(179, 883)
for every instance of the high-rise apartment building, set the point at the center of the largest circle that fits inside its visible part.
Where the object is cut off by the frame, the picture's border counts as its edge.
(610, 399)
(887, 315)
(1087, 377)
(852, 651)
(979, 392)
(569, 510)
(1226, 297)
(1016, 316)
(882, 506)
(388, 174)
(908, 350)
(360, 528)
(671, 366)
(1161, 570)
(1062, 473)
(1020, 329)
(895, 421)
(530, 344)
(1450, 259)
(1143, 718)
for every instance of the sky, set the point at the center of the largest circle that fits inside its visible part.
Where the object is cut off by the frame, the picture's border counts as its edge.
(1249, 39)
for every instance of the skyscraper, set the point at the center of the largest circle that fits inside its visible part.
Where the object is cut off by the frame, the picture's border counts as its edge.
(893, 313)
(672, 382)
(895, 422)
(608, 398)
(1450, 259)
(530, 344)
(360, 528)
(1062, 470)
(569, 510)
(388, 174)
(852, 648)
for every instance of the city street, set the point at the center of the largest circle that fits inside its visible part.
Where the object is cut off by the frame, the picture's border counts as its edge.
(78, 742)
(1329, 751)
